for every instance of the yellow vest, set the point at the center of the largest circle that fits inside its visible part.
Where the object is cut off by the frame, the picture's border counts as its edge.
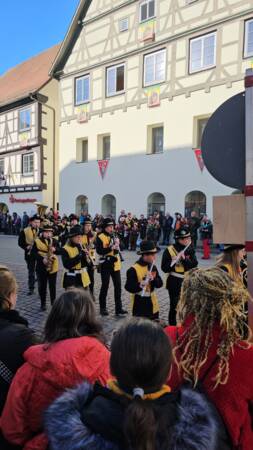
(141, 272)
(178, 268)
(91, 242)
(72, 252)
(44, 251)
(30, 235)
(106, 240)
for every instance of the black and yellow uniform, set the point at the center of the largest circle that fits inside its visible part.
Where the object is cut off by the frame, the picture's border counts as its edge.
(110, 266)
(143, 305)
(88, 242)
(26, 241)
(46, 273)
(176, 274)
(75, 262)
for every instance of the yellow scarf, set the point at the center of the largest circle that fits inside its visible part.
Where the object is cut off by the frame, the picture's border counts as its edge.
(113, 385)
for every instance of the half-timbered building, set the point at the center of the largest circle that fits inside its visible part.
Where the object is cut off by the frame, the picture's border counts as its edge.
(29, 135)
(138, 80)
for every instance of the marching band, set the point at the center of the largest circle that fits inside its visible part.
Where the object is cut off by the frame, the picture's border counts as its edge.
(84, 250)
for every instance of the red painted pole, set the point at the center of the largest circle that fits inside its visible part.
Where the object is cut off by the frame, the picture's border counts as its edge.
(249, 183)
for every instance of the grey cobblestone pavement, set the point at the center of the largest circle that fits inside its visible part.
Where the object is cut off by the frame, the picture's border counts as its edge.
(12, 256)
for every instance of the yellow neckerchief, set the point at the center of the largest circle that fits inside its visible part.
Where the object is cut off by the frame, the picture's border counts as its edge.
(30, 235)
(113, 385)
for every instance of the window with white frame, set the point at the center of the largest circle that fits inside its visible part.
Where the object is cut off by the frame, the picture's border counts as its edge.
(25, 119)
(154, 68)
(147, 10)
(82, 90)
(123, 24)
(28, 164)
(82, 150)
(248, 40)
(115, 80)
(157, 140)
(202, 52)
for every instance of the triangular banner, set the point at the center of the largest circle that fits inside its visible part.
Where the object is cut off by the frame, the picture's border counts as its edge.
(102, 164)
(198, 154)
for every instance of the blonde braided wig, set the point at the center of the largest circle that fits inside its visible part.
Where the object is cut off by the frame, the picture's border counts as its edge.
(211, 297)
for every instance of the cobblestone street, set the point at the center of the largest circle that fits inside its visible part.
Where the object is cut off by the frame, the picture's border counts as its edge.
(12, 256)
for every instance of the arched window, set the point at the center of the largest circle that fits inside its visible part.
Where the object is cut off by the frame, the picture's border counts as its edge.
(81, 204)
(3, 208)
(156, 202)
(109, 205)
(195, 201)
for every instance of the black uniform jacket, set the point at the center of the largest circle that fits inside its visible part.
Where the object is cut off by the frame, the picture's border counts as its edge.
(132, 284)
(189, 262)
(70, 263)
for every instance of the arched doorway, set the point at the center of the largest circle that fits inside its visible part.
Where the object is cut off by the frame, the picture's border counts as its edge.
(109, 205)
(156, 202)
(81, 204)
(3, 208)
(195, 201)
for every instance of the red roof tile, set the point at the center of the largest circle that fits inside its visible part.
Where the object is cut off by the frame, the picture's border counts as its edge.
(27, 77)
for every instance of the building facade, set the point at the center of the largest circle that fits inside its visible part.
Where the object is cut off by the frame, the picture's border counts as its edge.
(138, 81)
(29, 135)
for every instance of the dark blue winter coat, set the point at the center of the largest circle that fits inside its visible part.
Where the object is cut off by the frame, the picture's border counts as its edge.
(89, 418)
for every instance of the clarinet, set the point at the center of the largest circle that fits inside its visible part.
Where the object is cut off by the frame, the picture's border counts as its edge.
(113, 238)
(146, 281)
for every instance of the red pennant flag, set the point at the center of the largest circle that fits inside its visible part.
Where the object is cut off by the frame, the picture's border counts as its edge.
(198, 154)
(102, 164)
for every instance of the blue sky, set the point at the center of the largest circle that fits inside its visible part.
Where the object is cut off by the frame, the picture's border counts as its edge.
(30, 26)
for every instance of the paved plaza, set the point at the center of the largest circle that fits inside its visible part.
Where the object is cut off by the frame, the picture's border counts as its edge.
(12, 256)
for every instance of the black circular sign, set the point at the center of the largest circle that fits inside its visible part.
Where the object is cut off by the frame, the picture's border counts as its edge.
(223, 143)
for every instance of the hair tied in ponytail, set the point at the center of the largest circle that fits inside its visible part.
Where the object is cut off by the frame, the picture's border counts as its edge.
(138, 392)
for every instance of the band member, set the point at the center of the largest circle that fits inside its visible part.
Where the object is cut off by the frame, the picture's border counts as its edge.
(176, 260)
(88, 242)
(44, 250)
(142, 279)
(74, 259)
(26, 241)
(63, 230)
(233, 261)
(107, 246)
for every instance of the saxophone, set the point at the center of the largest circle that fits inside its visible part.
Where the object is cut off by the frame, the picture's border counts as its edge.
(50, 256)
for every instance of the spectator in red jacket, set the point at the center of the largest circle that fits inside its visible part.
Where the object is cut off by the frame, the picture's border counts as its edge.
(74, 351)
(209, 347)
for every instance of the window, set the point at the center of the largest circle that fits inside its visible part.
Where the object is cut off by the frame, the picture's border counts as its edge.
(82, 150)
(123, 24)
(28, 164)
(82, 90)
(106, 147)
(25, 119)
(248, 41)
(157, 140)
(154, 68)
(202, 52)
(1, 166)
(115, 80)
(201, 124)
(147, 10)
